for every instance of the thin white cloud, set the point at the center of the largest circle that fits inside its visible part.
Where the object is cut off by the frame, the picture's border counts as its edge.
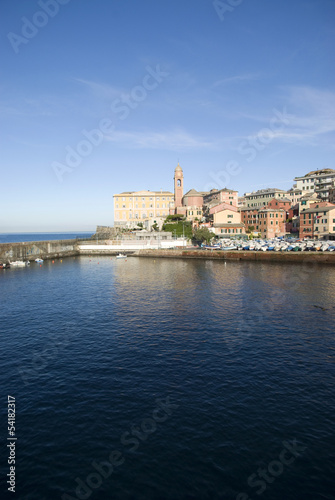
(178, 139)
(310, 117)
(101, 90)
(236, 78)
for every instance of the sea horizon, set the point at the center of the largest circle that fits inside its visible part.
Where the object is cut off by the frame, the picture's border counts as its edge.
(24, 236)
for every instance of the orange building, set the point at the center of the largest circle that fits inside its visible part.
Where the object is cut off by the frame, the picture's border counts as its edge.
(272, 222)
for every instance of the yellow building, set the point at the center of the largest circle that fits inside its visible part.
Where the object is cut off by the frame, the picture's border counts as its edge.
(132, 207)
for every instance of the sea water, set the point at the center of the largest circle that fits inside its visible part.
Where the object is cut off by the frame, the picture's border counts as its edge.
(169, 379)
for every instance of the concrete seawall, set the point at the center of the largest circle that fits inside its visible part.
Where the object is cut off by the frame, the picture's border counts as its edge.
(54, 249)
(236, 255)
(32, 250)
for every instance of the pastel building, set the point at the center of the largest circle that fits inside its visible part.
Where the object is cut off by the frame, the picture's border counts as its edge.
(250, 218)
(259, 199)
(318, 181)
(272, 222)
(132, 207)
(318, 222)
(227, 221)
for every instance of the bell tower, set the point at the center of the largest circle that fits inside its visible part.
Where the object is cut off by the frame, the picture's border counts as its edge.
(178, 186)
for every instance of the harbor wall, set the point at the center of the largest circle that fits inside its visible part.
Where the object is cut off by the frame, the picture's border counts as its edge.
(54, 249)
(32, 250)
(240, 255)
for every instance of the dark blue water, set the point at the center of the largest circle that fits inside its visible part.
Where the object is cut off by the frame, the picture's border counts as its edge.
(21, 237)
(196, 379)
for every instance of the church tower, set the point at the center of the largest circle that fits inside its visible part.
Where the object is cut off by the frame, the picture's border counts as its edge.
(178, 186)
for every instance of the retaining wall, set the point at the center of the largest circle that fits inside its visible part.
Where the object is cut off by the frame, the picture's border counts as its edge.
(237, 255)
(32, 250)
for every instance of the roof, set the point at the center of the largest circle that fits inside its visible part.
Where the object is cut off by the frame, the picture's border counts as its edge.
(271, 210)
(265, 191)
(144, 193)
(281, 200)
(323, 171)
(178, 168)
(318, 209)
(194, 192)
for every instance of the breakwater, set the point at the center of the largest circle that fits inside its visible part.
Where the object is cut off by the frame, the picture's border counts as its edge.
(238, 255)
(32, 250)
(54, 249)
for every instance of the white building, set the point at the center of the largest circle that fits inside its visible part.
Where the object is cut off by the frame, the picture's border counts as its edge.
(318, 181)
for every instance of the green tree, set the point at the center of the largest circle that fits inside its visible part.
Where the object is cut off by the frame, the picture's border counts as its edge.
(174, 218)
(203, 234)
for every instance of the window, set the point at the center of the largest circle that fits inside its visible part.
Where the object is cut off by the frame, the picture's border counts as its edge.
(157, 205)
(117, 199)
(150, 199)
(136, 206)
(123, 198)
(123, 205)
(151, 214)
(117, 205)
(157, 198)
(163, 199)
(136, 199)
(144, 215)
(130, 199)
(143, 205)
(143, 199)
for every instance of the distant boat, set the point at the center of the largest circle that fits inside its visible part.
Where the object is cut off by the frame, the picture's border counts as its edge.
(121, 256)
(39, 261)
(20, 263)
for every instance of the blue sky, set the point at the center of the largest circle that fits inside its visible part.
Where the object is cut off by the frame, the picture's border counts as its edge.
(104, 96)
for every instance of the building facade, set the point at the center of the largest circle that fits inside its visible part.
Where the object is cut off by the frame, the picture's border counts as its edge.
(272, 222)
(318, 181)
(132, 207)
(227, 222)
(259, 199)
(318, 222)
